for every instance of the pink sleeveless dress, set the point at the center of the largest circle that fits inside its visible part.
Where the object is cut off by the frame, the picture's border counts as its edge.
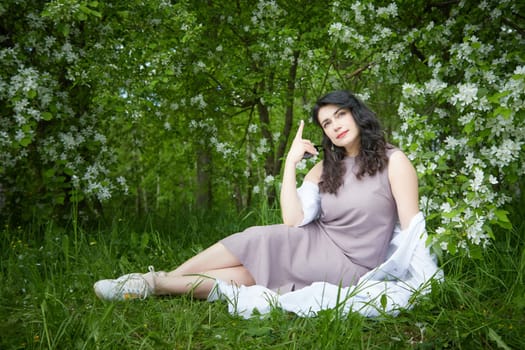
(349, 238)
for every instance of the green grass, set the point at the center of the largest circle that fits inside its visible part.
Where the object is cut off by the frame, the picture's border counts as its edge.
(47, 302)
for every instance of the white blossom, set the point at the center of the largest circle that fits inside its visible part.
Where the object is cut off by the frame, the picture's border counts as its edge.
(434, 85)
(476, 183)
(452, 142)
(446, 207)
(198, 101)
(519, 70)
(466, 95)
(493, 180)
(100, 138)
(301, 165)
(19, 135)
(263, 147)
(411, 90)
(269, 179)
(466, 118)
(475, 232)
(389, 11)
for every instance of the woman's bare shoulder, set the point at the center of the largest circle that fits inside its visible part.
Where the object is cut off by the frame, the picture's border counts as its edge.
(314, 175)
(399, 158)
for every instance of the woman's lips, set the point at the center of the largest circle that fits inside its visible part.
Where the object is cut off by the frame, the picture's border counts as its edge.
(341, 135)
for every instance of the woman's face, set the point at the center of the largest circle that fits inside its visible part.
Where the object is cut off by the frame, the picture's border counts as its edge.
(340, 127)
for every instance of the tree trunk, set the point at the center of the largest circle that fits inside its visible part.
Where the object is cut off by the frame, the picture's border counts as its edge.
(269, 166)
(204, 187)
(288, 116)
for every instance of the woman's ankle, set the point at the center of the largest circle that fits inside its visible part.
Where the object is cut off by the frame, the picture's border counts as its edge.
(151, 278)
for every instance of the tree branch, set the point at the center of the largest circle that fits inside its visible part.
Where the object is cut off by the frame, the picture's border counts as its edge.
(359, 70)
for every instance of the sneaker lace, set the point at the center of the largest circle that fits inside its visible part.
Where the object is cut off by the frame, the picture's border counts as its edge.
(134, 286)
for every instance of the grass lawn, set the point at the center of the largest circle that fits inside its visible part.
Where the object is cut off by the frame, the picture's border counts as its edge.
(47, 301)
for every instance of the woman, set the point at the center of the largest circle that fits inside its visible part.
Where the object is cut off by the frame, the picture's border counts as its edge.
(337, 225)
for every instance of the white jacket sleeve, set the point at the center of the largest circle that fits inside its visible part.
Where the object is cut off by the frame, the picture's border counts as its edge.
(311, 201)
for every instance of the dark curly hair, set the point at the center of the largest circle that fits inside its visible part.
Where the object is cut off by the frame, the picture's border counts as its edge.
(372, 154)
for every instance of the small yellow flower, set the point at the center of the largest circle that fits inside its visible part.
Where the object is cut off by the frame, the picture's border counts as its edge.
(129, 296)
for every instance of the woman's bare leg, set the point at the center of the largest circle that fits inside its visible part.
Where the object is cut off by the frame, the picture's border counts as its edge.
(197, 275)
(199, 285)
(213, 258)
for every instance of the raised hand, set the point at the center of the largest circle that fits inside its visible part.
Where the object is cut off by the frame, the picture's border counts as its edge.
(300, 146)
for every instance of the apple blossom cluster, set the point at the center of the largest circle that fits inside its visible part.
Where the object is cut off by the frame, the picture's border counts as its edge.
(264, 12)
(198, 101)
(223, 148)
(41, 127)
(469, 172)
(268, 182)
(276, 49)
(463, 120)
(207, 127)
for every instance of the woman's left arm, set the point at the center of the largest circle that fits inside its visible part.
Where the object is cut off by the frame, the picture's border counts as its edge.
(404, 185)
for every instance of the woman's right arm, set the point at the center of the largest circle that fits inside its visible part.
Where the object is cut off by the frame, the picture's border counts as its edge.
(291, 207)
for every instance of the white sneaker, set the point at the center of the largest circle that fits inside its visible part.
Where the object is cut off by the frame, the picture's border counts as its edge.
(130, 286)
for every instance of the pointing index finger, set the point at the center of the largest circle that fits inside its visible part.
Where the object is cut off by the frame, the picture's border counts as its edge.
(300, 130)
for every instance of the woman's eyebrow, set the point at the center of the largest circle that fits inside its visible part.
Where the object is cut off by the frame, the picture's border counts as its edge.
(324, 121)
(338, 110)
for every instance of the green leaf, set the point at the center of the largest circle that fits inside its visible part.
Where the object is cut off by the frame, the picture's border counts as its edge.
(476, 252)
(496, 97)
(502, 219)
(504, 112)
(489, 231)
(25, 141)
(383, 301)
(502, 215)
(49, 173)
(47, 116)
(27, 127)
(64, 29)
(495, 337)
(59, 199)
(89, 11)
(68, 171)
(468, 128)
